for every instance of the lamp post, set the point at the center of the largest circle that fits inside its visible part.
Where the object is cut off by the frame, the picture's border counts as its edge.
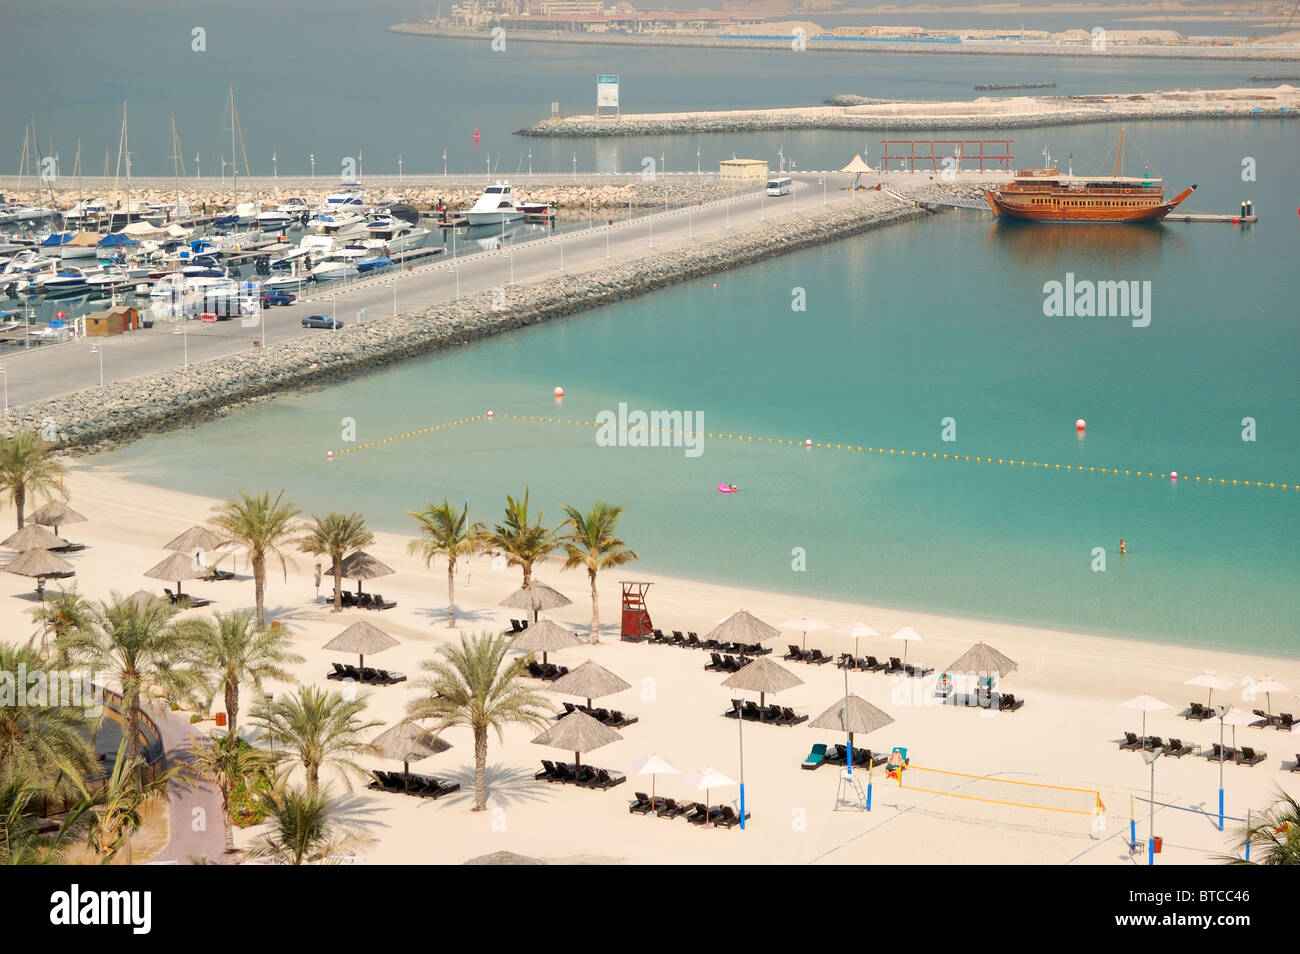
(1151, 806)
(184, 332)
(740, 726)
(1223, 711)
(96, 349)
(4, 371)
(444, 163)
(312, 160)
(822, 180)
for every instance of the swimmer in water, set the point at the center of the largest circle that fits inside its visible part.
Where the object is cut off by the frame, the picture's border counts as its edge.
(733, 488)
(1123, 547)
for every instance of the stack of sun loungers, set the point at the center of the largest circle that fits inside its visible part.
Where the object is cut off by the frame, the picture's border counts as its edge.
(1283, 722)
(374, 677)
(839, 754)
(548, 671)
(773, 715)
(426, 786)
(366, 601)
(720, 816)
(584, 776)
(610, 717)
(1199, 712)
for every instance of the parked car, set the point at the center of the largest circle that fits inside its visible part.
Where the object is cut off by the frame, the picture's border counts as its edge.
(321, 321)
(271, 296)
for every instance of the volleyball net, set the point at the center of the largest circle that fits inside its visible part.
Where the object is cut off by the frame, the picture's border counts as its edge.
(1006, 792)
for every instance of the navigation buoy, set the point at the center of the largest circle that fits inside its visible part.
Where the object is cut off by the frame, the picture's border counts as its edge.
(491, 414)
(559, 392)
(808, 443)
(329, 455)
(1173, 475)
(1080, 425)
(715, 284)
(476, 135)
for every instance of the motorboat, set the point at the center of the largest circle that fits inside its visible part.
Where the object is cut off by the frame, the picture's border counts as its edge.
(350, 197)
(67, 280)
(375, 258)
(495, 206)
(391, 229)
(338, 265)
(204, 266)
(339, 224)
(274, 219)
(296, 208)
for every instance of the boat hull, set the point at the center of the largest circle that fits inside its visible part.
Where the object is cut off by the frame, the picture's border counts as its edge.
(1058, 211)
(495, 217)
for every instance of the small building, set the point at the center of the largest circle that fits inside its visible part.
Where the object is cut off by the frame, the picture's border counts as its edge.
(742, 170)
(115, 321)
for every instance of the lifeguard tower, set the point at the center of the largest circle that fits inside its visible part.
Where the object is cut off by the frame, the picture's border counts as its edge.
(636, 618)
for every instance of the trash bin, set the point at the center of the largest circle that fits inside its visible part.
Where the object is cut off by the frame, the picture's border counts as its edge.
(1156, 843)
(221, 718)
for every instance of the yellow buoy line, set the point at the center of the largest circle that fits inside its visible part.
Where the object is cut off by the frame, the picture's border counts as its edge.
(809, 444)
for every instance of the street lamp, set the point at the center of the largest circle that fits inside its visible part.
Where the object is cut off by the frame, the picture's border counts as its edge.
(96, 349)
(312, 159)
(1150, 758)
(184, 332)
(5, 372)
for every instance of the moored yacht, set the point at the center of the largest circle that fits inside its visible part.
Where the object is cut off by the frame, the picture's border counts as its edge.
(495, 206)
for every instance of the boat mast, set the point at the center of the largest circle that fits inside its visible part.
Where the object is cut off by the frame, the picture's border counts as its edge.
(234, 166)
(176, 161)
(1118, 153)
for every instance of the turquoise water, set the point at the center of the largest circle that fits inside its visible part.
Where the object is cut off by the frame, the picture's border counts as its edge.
(904, 327)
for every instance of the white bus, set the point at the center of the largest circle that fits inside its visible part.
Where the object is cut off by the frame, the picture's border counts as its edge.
(779, 186)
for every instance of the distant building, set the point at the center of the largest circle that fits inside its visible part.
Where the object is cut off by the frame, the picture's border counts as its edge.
(758, 8)
(565, 8)
(742, 170)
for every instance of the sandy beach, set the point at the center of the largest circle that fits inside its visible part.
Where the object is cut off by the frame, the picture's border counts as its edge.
(1065, 735)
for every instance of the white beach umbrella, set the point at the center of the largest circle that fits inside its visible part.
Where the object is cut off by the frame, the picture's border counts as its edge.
(707, 778)
(1211, 680)
(907, 634)
(858, 630)
(805, 626)
(1268, 685)
(654, 766)
(1236, 717)
(1144, 704)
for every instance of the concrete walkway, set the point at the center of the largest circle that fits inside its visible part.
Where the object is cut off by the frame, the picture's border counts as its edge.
(194, 811)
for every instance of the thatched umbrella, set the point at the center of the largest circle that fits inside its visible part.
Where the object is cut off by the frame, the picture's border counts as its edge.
(362, 566)
(983, 659)
(505, 858)
(763, 676)
(41, 564)
(407, 742)
(535, 598)
(591, 681)
(577, 732)
(852, 714)
(178, 567)
(545, 637)
(56, 513)
(33, 537)
(742, 627)
(141, 598)
(361, 638)
(195, 538)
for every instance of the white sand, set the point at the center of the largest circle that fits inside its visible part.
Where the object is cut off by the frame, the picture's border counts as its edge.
(1065, 735)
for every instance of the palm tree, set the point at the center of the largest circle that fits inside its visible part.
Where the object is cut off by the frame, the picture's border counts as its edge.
(21, 842)
(318, 727)
(1273, 835)
(28, 468)
(235, 652)
(42, 741)
(115, 810)
(303, 828)
(470, 687)
(139, 645)
(337, 535)
(591, 543)
(61, 612)
(230, 763)
(444, 531)
(522, 542)
(262, 525)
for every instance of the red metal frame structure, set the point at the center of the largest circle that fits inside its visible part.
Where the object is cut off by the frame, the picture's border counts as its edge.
(636, 618)
(960, 151)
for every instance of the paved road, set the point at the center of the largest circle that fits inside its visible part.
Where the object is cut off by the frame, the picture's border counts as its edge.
(60, 369)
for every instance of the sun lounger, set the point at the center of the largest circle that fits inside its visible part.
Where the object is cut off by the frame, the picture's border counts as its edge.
(1263, 721)
(1195, 711)
(1131, 741)
(1154, 743)
(751, 712)
(693, 641)
(1296, 766)
(734, 711)
(1248, 756)
(815, 656)
(715, 663)
(642, 805)
(790, 717)
(1009, 703)
(568, 710)
(668, 808)
(1221, 753)
(620, 721)
(678, 639)
(895, 665)
(845, 661)
(697, 813)
(547, 773)
(836, 755)
(816, 757)
(1284, 723)
(796, 654)
(1176, 749)
(339, 672)
(728, 818)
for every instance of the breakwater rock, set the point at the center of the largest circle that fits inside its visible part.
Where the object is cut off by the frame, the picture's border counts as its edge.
(101, 417)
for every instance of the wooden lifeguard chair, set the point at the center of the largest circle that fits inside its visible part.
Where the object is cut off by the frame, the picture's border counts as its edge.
(636, 618)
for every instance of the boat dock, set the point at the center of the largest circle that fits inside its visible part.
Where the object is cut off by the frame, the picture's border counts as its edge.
(415, 254)
(450, 221)
(1211, 217)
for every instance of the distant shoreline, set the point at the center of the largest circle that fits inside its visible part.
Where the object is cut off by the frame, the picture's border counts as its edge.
(1256, 53)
